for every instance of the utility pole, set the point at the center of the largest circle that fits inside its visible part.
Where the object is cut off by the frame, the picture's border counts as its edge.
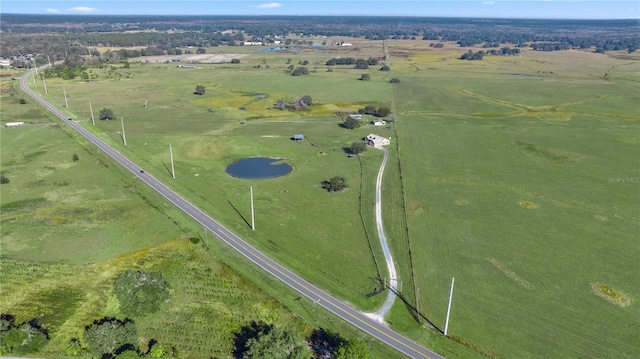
(93, 120)
(446, 324)
(49, 59)
(66, 103)
(173, 171)
(36, 73)
(253, 226)
(45, 84)
(124, 137)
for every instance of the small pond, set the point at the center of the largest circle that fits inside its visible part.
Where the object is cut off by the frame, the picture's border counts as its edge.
(259, 168)
(269, 49)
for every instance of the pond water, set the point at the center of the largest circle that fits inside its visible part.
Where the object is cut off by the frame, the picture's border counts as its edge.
(259, 168)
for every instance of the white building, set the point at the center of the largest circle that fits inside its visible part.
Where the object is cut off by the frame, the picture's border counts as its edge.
(13, 124)
(377, 141)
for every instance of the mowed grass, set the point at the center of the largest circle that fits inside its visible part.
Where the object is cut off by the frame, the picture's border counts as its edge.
(526, 209)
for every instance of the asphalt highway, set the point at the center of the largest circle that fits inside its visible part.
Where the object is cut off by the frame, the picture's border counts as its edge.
(321, 298)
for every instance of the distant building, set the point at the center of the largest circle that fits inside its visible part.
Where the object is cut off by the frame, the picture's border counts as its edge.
(252, 43)
(379, 122)
(297, 137)
(356, 116)
(377, 141)
(13, 124)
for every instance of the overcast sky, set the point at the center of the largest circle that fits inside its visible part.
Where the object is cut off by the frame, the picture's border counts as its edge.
(545, 9)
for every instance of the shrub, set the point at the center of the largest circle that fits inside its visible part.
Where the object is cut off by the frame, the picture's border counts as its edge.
(75, 157)
(141, 293)
(394, 80)
(385, 68)
(23, 101)
(335, 184)
(4, 179)
(108, 337)
(365, 77)
(235, 61)
(351, 123)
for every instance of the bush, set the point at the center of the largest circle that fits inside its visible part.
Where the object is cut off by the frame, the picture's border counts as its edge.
(335, 184)
(394, 80)
(25, 338)
(351, 123)
(109, 337)
(299, 71)
(106, 114)
(385, 68)
(365, 77)
(23, 101)
(235, 61)
(200, 90)
(141, 293)
(358, 147)
(75, 157)
(4, 179)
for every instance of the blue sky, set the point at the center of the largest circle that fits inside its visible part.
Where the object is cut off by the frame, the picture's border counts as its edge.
(545, 9)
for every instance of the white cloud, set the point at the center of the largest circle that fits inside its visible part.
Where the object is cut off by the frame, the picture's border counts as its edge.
(271, 5)
(488, 2)
(82, 9)
(51, 11)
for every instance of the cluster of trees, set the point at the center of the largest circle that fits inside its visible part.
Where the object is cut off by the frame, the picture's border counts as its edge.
(335, 184)
(61, 36)
(266, 341)
(470, 55)
(110, 337)
(299, 71)
(361, 64)
(300, 103)
(375, 111)
(23, 338)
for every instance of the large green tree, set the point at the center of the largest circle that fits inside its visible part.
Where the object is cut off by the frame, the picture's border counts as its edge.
(109, 337)
(141, 293)
(351, 123)
(106, 114)
(358, 147)
(277, 343)
(25, 338)
(335, 184)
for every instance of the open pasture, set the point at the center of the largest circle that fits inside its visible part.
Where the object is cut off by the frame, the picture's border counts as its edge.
(528, 205)
(518, 177)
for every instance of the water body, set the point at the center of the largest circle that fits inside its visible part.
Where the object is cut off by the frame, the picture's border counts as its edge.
(322, 51)
(259, 168)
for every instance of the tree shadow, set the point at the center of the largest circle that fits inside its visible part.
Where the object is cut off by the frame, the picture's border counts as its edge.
(252, 330)
(325, 342)
(239, 214)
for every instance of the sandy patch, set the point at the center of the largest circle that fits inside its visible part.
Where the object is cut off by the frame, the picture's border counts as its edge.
(461, 202)
(528, 204)
(192, 58)
(611, 295)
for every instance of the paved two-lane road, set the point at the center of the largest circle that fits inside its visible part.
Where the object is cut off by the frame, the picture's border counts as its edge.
(323, 299)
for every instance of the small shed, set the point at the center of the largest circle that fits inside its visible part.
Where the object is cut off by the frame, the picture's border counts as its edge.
(298, 137)
(14, 124)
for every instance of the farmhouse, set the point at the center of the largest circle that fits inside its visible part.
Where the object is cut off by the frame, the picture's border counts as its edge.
(378, 122)
(356, 116)
(14, 124)
(376, 141)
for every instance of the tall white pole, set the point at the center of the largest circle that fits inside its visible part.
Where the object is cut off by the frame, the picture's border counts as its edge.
(253, 226)
(34, 76)
(45, 84)
(173, 170)
(446, 324)
(66, 103)
(49, 59)
(124, 137)
(93, 119)
(35, 65)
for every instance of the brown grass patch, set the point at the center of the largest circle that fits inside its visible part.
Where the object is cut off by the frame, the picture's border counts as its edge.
(461, 202)
(601, 218)
(610, 294)
(511, 274)
(528, 204)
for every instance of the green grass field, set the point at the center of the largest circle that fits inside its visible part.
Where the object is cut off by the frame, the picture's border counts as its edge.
(516, 175)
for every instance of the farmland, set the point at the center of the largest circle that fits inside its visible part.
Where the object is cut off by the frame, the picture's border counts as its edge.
(516, 175)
